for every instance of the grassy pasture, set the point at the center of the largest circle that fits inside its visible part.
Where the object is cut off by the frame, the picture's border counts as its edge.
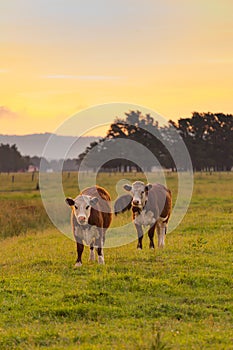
(21, 209)
(177, 298)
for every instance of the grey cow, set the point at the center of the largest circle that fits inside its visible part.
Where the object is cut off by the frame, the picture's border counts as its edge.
(151, 206)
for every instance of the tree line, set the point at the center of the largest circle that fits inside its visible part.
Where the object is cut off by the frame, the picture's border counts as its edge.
(207, 136)
(11, 160)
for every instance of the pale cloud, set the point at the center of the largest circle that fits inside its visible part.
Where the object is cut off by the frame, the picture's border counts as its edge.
(220, 61)
(2, 70)
(42, 94)
(81, 77)
(6, 113)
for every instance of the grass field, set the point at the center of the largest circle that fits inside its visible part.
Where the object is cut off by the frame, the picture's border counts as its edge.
(180, 297)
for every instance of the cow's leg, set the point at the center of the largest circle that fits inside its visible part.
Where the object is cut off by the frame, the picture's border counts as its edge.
(100, 251)
(161, 232)
(151, 236)
(80, 248)
(140, 235)
(100, 256)
(104, 231)
(92, 253)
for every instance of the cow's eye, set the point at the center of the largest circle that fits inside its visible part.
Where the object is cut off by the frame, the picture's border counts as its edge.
(87, 207)
(142, 192)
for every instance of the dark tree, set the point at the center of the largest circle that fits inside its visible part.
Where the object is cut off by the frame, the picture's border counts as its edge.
(11, 160)
(209, 139)
(116, 152)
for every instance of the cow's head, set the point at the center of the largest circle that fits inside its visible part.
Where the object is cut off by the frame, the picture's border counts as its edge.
(139, 192)
(82, 207)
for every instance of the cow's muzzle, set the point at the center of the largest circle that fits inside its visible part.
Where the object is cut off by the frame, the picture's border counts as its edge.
(82, 220)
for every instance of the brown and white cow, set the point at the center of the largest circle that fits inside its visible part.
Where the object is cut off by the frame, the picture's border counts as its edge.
(91, 216)
(151, 206)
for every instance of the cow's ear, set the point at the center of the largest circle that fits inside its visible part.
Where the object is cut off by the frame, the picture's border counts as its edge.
(148, 187)
(127, 187)
(69, 201)
(93, 201)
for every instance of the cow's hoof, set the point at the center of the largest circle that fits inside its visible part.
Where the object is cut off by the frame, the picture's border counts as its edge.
(139, 248)
(161, 246)
(78, 264)
(100, 260)
(151, 247)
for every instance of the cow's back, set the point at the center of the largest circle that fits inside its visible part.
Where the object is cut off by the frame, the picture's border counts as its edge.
(101, 215)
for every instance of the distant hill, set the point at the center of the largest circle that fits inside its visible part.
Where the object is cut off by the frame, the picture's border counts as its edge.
(33, 145)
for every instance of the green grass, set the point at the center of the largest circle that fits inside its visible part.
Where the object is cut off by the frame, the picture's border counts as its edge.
(21, 209)
(176, 298)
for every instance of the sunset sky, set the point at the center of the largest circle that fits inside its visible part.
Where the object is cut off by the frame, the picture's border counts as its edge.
(61, 56)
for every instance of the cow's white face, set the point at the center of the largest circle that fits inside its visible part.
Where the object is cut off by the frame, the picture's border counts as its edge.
(139, 192)
(82, 207)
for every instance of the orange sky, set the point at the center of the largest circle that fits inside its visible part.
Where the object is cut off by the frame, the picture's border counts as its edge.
(61, 56)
